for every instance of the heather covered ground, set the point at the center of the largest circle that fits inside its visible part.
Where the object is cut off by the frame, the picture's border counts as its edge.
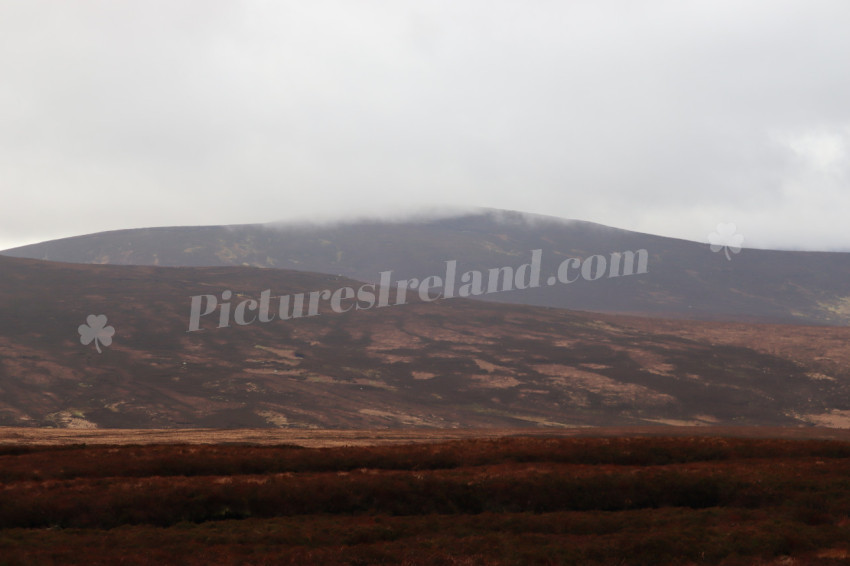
(522, 500)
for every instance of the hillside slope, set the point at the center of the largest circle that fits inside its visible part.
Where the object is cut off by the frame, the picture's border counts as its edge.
(449, 363)
(683, 279)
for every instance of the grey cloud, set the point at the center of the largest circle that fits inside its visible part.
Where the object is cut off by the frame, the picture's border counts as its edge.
(659, 116)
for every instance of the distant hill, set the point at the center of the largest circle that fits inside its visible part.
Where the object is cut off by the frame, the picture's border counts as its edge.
(683, 280)
(448, 363)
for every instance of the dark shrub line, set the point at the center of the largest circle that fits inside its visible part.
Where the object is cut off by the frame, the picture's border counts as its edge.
(33, 463)
(166, 501)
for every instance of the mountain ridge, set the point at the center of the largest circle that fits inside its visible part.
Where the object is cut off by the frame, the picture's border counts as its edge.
(684, 279)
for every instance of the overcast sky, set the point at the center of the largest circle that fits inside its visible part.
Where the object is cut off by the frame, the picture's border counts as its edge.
(666, 117)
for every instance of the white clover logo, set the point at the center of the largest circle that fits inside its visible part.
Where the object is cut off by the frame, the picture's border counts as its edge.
(727, 239)
(96, 330)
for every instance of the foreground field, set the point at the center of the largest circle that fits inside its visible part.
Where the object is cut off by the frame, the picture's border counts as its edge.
(521, 500)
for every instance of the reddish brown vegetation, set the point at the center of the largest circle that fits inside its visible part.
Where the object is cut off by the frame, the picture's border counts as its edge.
(510, 501)
(445, 364)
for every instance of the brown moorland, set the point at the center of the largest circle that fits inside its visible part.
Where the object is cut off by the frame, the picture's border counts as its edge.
(329, 438)
(452, 363)
(522, 500)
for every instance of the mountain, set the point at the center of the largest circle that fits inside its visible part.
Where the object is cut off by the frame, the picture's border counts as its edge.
(434, 363)
(682, 280)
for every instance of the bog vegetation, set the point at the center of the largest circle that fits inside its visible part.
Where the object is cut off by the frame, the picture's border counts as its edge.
(509, 501)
